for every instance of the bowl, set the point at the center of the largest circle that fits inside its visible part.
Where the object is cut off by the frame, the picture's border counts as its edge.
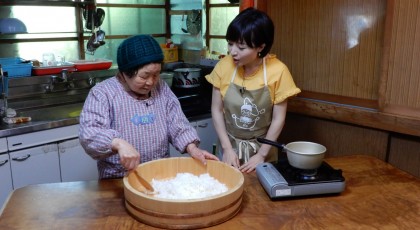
(183, 213)
(305, 155)
(12, 26)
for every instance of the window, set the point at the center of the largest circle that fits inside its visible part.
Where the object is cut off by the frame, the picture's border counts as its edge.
(58, 27)
(221, 13)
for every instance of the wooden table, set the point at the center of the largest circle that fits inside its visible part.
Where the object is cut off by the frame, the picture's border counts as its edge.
(377, 196)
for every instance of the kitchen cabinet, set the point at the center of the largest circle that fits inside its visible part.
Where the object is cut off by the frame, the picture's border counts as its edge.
(47, 156)
(34, 156)
(42, 137)
(6, 185)
(207, 134)
(75, 164)
(3, 145)
(35, 165)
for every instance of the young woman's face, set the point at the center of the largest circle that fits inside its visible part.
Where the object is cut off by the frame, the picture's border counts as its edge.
(243, 54)
(145, 79)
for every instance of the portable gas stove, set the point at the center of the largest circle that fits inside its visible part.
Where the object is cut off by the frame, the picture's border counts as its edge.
(283, 180)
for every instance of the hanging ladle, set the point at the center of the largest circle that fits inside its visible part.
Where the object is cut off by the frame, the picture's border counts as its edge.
(183, 30)
(149, 188)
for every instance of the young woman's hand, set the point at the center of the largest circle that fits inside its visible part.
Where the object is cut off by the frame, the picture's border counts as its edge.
(231, 158)
(252, 163)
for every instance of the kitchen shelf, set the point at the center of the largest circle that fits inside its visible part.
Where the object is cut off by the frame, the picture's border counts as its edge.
(181, 12)
(38, 37)
(46, 2)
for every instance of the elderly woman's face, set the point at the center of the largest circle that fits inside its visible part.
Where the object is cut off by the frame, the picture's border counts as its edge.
(145, 79)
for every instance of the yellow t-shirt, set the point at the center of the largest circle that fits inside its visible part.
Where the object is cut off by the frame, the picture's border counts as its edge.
(279, 79)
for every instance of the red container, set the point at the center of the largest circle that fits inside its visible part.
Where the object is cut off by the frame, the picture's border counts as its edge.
(89, 65)
(47, 70)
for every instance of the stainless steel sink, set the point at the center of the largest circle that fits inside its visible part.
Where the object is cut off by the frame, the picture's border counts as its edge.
(53, 113)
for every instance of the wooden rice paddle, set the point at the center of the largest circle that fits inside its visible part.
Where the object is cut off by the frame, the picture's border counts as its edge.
(149, 187)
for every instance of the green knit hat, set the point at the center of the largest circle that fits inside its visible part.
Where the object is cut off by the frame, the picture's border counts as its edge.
(138, 50)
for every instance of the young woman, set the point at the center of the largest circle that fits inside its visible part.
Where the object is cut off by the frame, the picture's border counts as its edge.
(131, 118)
(250, 91)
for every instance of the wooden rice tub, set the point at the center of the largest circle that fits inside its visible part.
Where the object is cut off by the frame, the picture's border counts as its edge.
(183, 214)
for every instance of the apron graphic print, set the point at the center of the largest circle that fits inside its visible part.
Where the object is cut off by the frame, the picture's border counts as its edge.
(249, 115)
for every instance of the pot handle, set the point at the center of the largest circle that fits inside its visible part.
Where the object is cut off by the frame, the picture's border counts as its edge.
(265, 141)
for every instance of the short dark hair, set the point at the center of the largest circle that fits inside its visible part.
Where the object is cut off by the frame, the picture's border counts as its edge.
(253, 27)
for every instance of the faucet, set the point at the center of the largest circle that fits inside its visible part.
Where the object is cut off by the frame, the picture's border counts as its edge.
(64, 80)
(65, 75)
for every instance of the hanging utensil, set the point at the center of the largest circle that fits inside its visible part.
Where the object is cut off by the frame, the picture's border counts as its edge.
(95, 41)
(99, 38)
(182, 21)
(99, 17)
(89, 14)
(90, 46)
(194, 22)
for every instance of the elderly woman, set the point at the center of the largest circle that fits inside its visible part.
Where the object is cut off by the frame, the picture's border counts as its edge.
(132, 117)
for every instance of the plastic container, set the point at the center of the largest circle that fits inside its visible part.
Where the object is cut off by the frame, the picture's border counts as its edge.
(89, 65)
(169, 54)
(47, 70)
(16, 67)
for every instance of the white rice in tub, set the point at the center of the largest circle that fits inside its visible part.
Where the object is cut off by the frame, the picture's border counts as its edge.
(188, 186)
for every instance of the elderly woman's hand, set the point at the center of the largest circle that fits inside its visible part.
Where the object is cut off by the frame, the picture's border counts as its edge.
(200, 154)
(129, 157)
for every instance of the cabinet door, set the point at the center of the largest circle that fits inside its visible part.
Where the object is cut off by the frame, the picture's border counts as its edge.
(6, 185)
(42, 137)
(207, 134)
(75, 163)
(3, 145)
(35, 165)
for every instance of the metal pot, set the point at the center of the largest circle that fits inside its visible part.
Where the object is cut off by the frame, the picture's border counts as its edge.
(301, 154)
(187, 77)
(167, 77)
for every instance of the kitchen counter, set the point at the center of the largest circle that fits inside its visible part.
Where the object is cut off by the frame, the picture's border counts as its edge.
(59, 116)
(62, 108)
(377, 196)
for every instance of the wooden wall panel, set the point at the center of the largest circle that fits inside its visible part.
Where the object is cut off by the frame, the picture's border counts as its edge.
(331, 46)
(402, 151)
(405, 153)
(340, 139)
(401, 81)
